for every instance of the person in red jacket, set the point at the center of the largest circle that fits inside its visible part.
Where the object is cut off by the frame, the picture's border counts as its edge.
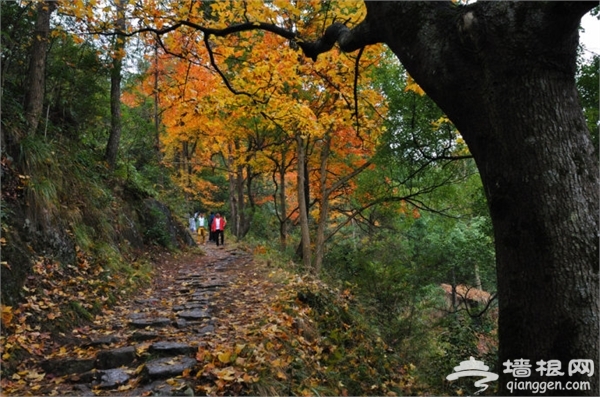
(217, 227)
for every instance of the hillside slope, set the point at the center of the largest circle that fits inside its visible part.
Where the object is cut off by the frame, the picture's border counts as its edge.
(218, 322)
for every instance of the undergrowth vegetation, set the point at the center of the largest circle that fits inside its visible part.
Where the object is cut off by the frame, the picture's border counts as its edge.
(76, 234)
(385, 327)
(73, 242)
(297, 335)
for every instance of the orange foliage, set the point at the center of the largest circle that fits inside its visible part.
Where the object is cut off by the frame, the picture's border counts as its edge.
(280, 93)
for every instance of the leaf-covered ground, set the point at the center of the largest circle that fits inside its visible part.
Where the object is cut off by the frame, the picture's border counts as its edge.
(269, 331)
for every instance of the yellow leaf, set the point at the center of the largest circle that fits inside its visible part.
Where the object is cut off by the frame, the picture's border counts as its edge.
(7, 315)
(249, 378)
(139, 369)
(34, 376)
(224, 357)
(227, 374)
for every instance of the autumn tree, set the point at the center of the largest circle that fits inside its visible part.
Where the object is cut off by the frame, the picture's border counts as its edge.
(278, 100)
(503, 72)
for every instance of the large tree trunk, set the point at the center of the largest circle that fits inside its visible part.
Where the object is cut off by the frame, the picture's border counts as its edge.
(544, 205)
(34, 99)
(112, 147)
(504, 74)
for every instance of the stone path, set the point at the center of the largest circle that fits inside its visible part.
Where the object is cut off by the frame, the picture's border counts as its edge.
(140, 347)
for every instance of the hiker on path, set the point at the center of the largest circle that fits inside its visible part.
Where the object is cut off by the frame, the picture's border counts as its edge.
(200, 222)
(211, 235)
(218, 225)
(192, 221)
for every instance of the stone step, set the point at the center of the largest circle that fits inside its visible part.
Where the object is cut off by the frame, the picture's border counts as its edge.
(167, 367)
(193, 314)
(172, 348)
(107, 359)
(149, 322)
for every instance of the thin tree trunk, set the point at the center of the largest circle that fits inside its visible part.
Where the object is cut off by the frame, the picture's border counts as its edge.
(233, 204)
(478, 284)
(157, 116)
(302, 202)
(282, 204)
(324, 206)
(251, 206)
(112, 147)
(34, 97)
(239, 191)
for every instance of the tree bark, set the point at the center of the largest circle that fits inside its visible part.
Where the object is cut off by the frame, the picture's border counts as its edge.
(112, 147)
(323, 206)
(157, 117)
(34, 97)
(249, 210)
(282, 204)
(239, 191)
(280, 169)
(504, 74)
(232, 177)
(302, 202)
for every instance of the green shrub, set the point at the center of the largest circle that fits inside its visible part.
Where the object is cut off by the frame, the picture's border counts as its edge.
(157, 232)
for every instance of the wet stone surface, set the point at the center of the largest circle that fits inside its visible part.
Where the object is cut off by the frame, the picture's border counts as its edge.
(168, 366)
(172, 348)
(149, 322)
(112, 378)
(193, 314)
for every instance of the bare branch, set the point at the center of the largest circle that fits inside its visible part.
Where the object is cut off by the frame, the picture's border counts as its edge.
(211, 57)
(356, 73)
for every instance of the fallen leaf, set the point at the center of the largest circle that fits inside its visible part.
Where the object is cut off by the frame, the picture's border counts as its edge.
(224, 357)
(7, 315)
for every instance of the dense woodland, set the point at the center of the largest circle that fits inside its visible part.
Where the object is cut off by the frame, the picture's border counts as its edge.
(340, 166)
